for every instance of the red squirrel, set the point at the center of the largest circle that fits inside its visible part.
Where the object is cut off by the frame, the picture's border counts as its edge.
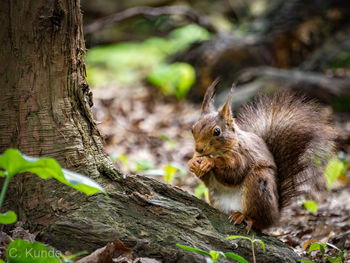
(254, 164)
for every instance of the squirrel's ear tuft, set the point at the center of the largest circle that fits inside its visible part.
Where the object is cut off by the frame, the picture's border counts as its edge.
(208, 100)
(225, 110)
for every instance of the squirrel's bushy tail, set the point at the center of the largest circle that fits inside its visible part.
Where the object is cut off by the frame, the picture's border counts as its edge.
(297, 133)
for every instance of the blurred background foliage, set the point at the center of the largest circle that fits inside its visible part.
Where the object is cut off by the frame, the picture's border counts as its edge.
(141, 46)
(131, 61)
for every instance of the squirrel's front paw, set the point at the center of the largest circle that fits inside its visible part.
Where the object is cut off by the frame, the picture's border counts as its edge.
(205, 166)
(193, 165)
(200, 166)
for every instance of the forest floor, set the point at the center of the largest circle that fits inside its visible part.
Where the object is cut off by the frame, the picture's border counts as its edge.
(148, 133)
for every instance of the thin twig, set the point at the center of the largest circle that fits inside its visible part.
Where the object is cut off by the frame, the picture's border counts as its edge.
(185, 11)
(253, 250)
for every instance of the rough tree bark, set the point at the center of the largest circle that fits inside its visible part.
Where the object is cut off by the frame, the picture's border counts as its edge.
(45, 111)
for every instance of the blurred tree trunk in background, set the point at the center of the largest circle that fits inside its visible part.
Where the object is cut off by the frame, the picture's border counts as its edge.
(286, 35)
(141, 27)
(45, 111)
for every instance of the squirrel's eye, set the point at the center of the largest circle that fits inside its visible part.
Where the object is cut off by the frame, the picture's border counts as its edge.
(217, 132)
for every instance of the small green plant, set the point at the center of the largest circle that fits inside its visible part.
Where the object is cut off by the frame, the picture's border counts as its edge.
(144, 165)
(12, 162)
(124, 159)
(201, 190)
(321, 247)
(212, 256)
(169, 173)
(335, 168)
(171, 170)
(252, 241)
(21, 251)
(131, 165)
(310, 205)
(121, 62)
(169, 143)
(24, 251)
(174, 79)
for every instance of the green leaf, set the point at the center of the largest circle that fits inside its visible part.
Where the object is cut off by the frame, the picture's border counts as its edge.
(214, 255)
(261, 243)
(124, 159)
(333, 246)
(333, 170)
(143, 165)
(121, 62)
(20, 251)
(317, 246)
(175, 79)
(179, 167)
(236, 257)
(310, 205)
(81, 182)
(306, 261)
(15, 163)
(196, 250)
(1, 261)
(170, 172)
(12, 161)
(169, 143)
(337, 259)
(239, 237)
(334, 259)
(201, 190)
(2, 173)
(164, 137)
(184, 36)
(7, 218)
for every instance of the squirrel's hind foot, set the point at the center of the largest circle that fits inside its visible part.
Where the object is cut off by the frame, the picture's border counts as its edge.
(238, 217)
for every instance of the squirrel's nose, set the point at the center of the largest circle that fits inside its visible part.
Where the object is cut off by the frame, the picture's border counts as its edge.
(199, 150)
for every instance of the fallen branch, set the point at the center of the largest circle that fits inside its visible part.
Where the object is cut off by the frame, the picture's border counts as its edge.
(185, 11)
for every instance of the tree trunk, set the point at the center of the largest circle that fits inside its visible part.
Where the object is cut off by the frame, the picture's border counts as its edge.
(45, 107)
(45, 98)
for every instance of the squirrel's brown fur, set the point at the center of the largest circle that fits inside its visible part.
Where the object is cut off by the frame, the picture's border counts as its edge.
(255, 164)
(297, 134)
